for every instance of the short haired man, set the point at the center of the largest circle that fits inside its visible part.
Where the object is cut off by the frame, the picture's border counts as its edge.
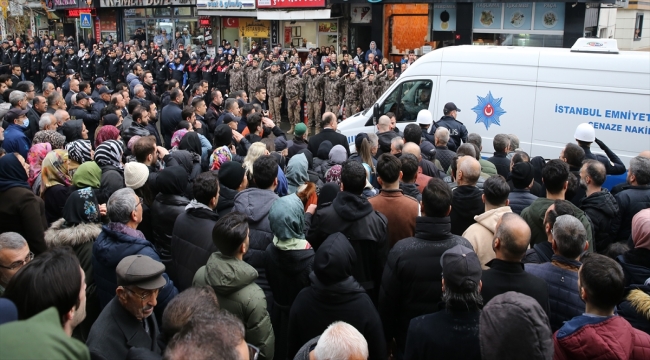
(481, 234)
(501, 144)
(238, 293)
(339, 341)
(599, 204)
(385, 135)
(412, 272)
(400, 210)
(486, 166)
(601, 285)
(171, 116)
(329, 124)
(82, 109)
(561, 274)
(259, 97)
(126, 320)
(635, 198)
(442, 153)
(421, 179)
(522, 177)
(506, 271)
(409, 176)
(468, 198)
(48, 122)
(457, 131)
(14, 254)
(574, 155)
(555, 176)
(39, 104)
(453, 332)
(543, 252)
(191, 244)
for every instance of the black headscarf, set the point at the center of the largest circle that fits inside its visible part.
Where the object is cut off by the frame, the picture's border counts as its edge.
(172, 181)
(12, 173)
(72, 130)
(81, 207)
(191, 142)
(324, 149)
(328, 193)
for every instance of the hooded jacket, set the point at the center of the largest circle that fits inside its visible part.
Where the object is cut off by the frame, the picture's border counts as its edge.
(602, 209)
(534, 216)
(636, 265)
(481, 234)
(334, 295)
(234, 283)
(599, 337)
(635, 308)
(297, 172)
(365, 229)
(465, 205)
(520, 199)
(630, 201)
(226, 200)
(384, 140)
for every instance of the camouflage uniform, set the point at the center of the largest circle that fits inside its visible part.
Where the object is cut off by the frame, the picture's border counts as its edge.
(275, 90)
(237, 79)
(314, 98)
(256, 77)
(294, 89)
(371, 91)
(352, 95)
(386, 82)
(332, 90)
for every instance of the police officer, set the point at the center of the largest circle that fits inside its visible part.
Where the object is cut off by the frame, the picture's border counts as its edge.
(15, 55)
(127, 64)
(144, 61)
(50, 77)
(161, 74)
(585, 135)
(275, 90)
(25, 60)
(254, 75)
(177, 69)
(332, 90)
(101, 63)
(388, 78)
(71, 60)
(371, 90)
(35, 69)
(87, 68)
(293, 88)
(46, 59)
(314, 97)
(457, 131)
(114, 67)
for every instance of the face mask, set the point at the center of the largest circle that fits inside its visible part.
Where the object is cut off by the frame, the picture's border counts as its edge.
(25, 123)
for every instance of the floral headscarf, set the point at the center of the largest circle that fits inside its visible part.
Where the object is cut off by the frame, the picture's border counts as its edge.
(107, 132)
(220, 156)
(177, 137)
(55, 170)
(334, 174)
(82, 207)
(56, 140)
(35, 158)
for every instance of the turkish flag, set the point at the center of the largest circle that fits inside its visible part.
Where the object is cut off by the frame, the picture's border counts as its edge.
(231, 22)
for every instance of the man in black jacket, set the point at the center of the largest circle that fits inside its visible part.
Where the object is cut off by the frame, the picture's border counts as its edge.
(171, 116)
(385, 135)
(329, 125)
(457, 131)
(506, 271)
(635, 198)
(81, 103)
(467, 201)
(585, 135)
(501, 144)
(599, 204)
(150, 93)
(192, 242)
(411, 284)
(352, 214)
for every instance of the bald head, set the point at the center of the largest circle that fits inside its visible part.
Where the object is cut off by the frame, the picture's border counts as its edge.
(511, 238)
(468, 171)
(413, 148)
(645, 154)
(383, 124)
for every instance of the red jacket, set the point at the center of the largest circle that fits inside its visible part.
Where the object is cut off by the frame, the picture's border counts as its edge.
(613, 338)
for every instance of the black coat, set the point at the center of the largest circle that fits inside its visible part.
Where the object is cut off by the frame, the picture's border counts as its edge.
(636, 265)
(112, 180)
(445, 156)
(466, 204)
(630, 201)
(335, 295)
(504, 276)
(191, 244)
(520, 199)
(116, 331)
(55, 198)
(502, 163)
(169, 119)
(384, 140)
(365, 229)
(226, 200)
(90, 118)
(164, 211)
(411, 284)
(331, 135)
(287, 273)
(602, 209)
(635, 307)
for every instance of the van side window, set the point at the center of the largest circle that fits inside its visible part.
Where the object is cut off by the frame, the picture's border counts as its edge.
(408, 99)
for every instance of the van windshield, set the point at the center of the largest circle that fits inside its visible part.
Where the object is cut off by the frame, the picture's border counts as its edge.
(407, 100)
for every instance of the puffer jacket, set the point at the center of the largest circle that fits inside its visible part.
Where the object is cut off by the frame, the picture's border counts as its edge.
(635, 308)
(164, 210)
(481, 234)
(191, 244)
(602, 209)
(630, 201)
(596, 337)
(520, 199)
(111, 246)
(636, 265)
(411, 283)
(226, 200)
(234, 283)
(255, 204)
(561, 276)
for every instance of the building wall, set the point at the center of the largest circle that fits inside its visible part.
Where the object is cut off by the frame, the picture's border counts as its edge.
(607, 23)
(625, 21)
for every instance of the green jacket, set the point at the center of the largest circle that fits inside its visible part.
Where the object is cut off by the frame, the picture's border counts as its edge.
(40, 337)
(487, 167)
(534, 216)
(234, 282)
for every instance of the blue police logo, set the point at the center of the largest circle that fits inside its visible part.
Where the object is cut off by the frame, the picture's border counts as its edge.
(488, 110)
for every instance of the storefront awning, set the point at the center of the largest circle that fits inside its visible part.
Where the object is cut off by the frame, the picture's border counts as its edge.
(294, 15)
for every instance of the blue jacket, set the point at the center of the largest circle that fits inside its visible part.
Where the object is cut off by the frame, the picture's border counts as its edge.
(108, 250)
(169, 119)
(16, 140)
(520, 199)
(563, 297)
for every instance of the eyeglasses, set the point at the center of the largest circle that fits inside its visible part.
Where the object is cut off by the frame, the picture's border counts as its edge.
(145, 295)
(19, 264)
(253, 352)
(139, 202)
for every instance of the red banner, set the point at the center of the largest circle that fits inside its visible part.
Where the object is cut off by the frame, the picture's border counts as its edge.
(231, 22)
(98, 33)
(287, 35)
(279, 4)
(74, 13)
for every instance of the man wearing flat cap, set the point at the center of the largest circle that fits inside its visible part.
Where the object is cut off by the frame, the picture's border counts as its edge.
(126, 321)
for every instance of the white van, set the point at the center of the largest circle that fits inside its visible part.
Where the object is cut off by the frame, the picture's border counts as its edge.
(539, 94)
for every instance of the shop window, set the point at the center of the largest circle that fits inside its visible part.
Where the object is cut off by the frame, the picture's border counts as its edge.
(536, 40)
(638, 27)
(407, 99)
(184, 11)
(164, 11)
(133, 13)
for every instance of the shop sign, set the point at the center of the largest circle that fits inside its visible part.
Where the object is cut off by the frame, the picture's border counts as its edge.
(73, 13)
(254, 28)
(327, 27)
(144, 3)
(491, 17)
(62, 4)
(290, 3)
(360, 14)
(275, 27)
(230, 22)
(226, 4)
(444, 17)
(549, 16)
(518, 16)
(205, 23)
(487, 16)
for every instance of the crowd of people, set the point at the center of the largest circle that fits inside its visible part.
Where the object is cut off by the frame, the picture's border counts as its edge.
(202, 231)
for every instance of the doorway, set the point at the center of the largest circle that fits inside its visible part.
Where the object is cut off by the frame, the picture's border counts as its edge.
(360, 36)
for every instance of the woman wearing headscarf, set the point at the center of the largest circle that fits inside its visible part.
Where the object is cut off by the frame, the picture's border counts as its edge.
(78, 229)
(636, 262)
(109, 158)
(35, 158)
(20, 210)
(55, 185)
(74, 130)
(56, 140)
(191, 142)
(297, 172)
(333, 175)
(79, 152)
(289, 263)
(169, 203)
(177, 137)
(337, 156)
(107, 132)
(89, 174)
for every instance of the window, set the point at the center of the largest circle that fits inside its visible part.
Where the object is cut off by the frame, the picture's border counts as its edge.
(406, 100)
(638, 27)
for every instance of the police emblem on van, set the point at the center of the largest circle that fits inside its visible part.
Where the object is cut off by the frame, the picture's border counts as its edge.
(488, 110)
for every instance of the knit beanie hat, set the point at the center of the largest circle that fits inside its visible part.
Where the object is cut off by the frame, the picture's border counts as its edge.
(300, 129)
(522, 175)
(135, 175)
(231, 174)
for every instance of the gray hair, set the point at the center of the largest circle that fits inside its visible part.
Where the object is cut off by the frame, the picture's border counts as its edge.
(501, 142)
(397, 142)
(230, 103)
(58, 115)
(16, 96)
(121, 204)
(46, 85)
(374, 139)
(138, 88)
(471, 169)
(514, 141)
(475, 139)
(341, 341)
(640, 168)
(442, 134)
(46, 120)
(570, 236)
(12, 241)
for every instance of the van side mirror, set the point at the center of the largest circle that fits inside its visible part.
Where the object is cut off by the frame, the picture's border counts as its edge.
(375, 114)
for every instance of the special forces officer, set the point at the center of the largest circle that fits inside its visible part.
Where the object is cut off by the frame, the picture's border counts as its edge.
(332, 89)
(352, 95)
(275, 90)
(388, 78)
(294, 85)
(314, 97)
(371, 91)
(237, 77)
